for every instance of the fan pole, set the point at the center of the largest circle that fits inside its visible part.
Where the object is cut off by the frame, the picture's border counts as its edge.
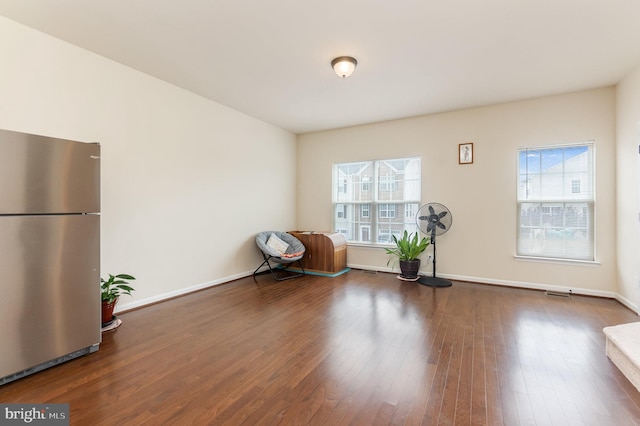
(434, 255)
(434, 281)
(434, 224)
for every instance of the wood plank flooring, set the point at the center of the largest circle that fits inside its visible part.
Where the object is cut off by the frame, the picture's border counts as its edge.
(361, 349)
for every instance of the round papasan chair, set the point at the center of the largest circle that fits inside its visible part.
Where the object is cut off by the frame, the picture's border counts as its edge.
(282, 249)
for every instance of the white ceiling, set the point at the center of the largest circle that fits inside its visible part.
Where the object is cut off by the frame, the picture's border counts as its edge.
(270, 58)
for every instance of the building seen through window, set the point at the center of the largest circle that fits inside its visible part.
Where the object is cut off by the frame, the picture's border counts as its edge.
(373, 200)
(556, 202)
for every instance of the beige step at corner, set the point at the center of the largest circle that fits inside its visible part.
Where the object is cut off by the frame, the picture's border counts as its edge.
(623, 349)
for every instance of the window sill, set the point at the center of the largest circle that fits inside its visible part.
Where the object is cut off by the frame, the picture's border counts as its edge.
(377, 246)
(554, 260)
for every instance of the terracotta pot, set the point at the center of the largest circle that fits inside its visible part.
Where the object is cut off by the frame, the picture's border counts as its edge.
(409, 268)
(107, 312)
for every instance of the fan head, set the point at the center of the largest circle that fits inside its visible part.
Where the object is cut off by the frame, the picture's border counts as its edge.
(434, 219)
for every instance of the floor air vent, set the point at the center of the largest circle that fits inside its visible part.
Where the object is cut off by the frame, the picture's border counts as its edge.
(558, 293)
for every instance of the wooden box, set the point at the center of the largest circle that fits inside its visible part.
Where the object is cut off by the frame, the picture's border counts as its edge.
(326, 252)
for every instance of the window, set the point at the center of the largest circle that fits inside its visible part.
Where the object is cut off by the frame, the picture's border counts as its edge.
(556, 202)
(575, 186)
(366, 209)
(366, 184)
(365, 233)
(387, 183)
(342, 186)
(341, 211)
(409, 211)
(384, 192)
(387, 211)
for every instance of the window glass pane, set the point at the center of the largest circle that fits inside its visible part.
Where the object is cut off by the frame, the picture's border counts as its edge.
(365, 234)
(551, 187)
(556, 220)
(350, 181)
(558, 230)
(399, 180)
(376, 199)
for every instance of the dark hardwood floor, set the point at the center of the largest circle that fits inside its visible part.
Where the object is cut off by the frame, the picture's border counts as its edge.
(362, 348)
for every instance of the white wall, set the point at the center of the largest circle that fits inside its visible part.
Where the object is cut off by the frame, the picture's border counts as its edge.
(627, 184)
(184, 188)
(481, 243)
(186, 182)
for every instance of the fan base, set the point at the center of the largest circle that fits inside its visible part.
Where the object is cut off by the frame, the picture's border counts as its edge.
(434, 282)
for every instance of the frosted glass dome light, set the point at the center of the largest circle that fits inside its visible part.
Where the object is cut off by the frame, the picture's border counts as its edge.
(344, 66)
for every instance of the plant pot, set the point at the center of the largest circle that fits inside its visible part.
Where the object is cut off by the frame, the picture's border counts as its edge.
(107, 311)
(409, 268)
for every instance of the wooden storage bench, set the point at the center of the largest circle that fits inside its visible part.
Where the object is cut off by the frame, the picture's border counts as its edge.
(326, 252)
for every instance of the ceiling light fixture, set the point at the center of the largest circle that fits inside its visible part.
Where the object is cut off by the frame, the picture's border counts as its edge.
(344, 66)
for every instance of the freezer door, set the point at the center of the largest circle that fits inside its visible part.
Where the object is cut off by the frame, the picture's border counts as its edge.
(47, 175)
(49, 288)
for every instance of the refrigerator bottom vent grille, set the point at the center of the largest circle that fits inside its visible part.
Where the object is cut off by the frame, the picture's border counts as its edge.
(47, 364)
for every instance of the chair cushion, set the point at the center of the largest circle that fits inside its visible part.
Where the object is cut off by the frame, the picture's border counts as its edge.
(292, 255)
(277, 244)
(295, 246)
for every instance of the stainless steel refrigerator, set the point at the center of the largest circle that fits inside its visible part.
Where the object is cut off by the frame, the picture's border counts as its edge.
(49, 252)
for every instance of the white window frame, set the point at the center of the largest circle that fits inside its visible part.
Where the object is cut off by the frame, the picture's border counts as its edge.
(554, 222)
(400, 189)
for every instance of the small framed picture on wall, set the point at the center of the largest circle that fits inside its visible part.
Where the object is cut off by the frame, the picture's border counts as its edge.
(465, 153)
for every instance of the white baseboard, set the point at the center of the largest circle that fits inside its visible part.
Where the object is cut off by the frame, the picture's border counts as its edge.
(520, 284)
(523, 284)
(628, 303)
(120, 307)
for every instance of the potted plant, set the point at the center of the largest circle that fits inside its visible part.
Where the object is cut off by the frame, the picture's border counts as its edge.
(406, 251)
(110, 291)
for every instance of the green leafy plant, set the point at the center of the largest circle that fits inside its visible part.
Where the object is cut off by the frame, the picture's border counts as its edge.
(115, 286)
(409, 247)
